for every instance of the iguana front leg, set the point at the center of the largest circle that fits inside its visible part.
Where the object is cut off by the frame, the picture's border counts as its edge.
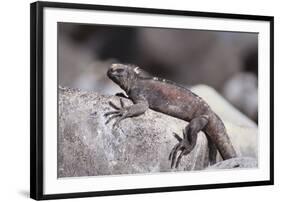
(188, 142)
(123, 112)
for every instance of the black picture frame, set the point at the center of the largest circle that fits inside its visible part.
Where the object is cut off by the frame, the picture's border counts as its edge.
(37, 99)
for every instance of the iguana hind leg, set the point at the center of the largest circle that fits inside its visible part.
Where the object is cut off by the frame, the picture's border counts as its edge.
(188, 142)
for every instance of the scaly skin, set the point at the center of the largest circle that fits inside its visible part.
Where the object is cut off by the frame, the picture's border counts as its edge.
(172, 99)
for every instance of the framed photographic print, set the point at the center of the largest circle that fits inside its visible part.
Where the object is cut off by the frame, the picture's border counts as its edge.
(135, 100)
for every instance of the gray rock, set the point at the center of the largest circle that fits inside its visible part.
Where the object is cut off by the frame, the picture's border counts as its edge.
(88, 147)
(241, 162)
(242, 91)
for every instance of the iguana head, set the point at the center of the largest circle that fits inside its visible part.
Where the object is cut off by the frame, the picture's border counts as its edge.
(125, 75)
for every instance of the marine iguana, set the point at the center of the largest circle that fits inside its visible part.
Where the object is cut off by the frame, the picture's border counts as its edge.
(172, 99)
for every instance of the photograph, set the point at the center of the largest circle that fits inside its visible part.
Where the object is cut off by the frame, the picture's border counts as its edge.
(145, 100)
(129, 100)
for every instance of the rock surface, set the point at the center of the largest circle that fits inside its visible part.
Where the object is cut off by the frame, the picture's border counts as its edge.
(241, 162)
(88, 147)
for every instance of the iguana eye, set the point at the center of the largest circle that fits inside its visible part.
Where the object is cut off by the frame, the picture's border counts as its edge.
(119, 70)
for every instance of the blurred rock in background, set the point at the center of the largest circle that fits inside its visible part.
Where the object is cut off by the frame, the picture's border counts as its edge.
(226, 61)
(242, 91)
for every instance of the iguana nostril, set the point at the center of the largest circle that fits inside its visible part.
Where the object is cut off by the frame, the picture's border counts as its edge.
(109, 72)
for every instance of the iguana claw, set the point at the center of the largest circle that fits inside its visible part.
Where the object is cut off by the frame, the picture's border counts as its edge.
(120, 112)
(183, 146)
